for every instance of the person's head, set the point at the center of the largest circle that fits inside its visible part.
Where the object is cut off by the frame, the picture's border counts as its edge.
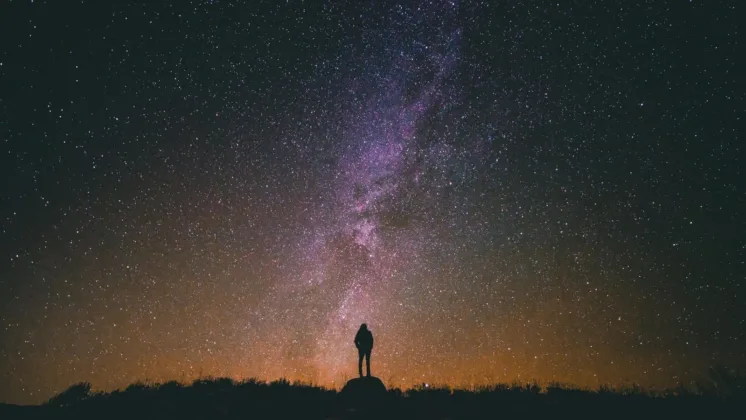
(364, 327)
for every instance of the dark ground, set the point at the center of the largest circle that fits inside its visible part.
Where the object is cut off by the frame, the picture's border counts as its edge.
(223, 398)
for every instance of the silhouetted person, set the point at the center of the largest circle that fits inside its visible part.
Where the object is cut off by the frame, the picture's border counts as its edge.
(364, 344)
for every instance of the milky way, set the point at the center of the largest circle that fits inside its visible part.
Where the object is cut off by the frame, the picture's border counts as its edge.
(501, 191)
(357, 254)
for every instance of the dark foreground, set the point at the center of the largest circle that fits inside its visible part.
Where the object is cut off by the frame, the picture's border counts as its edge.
(227, 399)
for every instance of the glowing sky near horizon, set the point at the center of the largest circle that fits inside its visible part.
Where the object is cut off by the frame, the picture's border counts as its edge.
(501, 191)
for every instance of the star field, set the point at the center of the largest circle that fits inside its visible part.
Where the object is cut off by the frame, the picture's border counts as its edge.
(501, 190)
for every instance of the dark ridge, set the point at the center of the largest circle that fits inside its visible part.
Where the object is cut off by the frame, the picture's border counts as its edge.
(225, 398)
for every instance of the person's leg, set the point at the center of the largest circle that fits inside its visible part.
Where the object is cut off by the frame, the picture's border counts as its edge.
(360, 355)
(367, 360)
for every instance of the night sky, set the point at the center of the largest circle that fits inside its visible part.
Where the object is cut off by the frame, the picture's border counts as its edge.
(501, 190)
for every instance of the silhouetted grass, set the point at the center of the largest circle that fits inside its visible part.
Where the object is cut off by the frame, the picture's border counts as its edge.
(722, 394)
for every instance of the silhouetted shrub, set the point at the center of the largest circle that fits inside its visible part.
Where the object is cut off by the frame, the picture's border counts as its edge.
(170, 386)
(74, 394)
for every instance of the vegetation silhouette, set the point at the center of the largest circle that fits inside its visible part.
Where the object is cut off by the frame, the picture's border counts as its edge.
(722, 393)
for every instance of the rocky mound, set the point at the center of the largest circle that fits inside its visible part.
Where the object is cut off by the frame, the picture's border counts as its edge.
(365, 392)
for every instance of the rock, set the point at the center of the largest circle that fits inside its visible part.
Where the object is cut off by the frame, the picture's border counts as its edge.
(365, 392)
